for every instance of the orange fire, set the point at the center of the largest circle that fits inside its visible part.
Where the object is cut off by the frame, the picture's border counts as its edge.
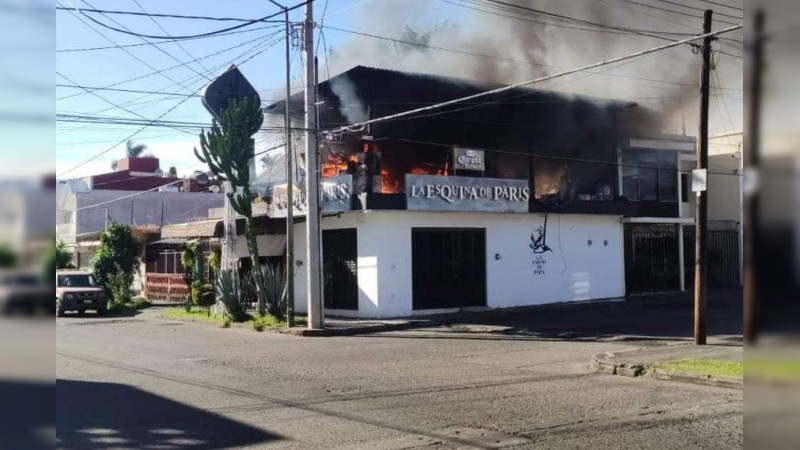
(336, 165)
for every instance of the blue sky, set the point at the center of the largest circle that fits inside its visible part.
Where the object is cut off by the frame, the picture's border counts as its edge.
(76, 143)
(468, 30)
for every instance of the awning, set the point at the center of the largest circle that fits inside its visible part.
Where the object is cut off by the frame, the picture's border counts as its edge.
(170, 241)
(205, 228)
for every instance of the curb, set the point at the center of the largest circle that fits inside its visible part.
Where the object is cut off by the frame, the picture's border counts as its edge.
(603, 363)
(350, 331)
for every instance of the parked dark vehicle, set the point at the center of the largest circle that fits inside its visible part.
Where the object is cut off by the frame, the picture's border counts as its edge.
(78, 291)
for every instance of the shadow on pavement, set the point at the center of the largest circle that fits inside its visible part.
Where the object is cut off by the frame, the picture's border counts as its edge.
(657, 317)
(26, 420)
(93, 415)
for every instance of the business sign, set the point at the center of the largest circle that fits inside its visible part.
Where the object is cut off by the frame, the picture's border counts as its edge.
(463, 194)
(699, 180)
(469, 159)
(335, 197)
(231, 85)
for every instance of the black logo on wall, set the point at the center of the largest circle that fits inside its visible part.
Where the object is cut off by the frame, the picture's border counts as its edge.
(539, 240)
(539, 247)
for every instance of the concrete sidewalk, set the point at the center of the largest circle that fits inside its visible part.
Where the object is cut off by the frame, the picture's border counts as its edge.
(642, 362)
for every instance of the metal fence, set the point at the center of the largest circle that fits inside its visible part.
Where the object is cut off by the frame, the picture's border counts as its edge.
(723, 257)
(652, 259)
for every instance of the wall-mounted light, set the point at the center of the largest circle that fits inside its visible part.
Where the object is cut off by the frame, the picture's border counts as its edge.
(498, 256)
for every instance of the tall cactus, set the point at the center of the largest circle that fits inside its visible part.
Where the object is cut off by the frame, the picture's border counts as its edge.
(227, 150)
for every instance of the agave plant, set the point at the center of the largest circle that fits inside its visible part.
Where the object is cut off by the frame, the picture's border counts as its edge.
(274, 288)
(230, 295)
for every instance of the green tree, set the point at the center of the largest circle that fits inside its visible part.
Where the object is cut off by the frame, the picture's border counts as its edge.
(62, 258)
(118, 252)
(134, 150)
(227, 149)
(172, 172)
(8, 257)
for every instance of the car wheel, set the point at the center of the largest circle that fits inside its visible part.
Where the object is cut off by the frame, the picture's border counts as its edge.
(59, 311)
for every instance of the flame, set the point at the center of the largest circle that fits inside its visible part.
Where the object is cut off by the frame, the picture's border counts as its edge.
(551, 182)
(337, 165)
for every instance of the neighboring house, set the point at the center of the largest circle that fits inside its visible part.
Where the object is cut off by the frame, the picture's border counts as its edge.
(84, 209)
(26, 221)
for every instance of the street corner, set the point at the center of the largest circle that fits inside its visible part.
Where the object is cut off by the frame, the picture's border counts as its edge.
(717, 366)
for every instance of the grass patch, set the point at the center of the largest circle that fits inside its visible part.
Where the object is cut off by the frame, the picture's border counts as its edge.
(773, 369)
(712, 367)
(256, 323)
(195, 315)
(136, 304)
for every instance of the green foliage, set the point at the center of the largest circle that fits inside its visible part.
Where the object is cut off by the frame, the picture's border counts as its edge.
(228, 292)
(190, 258)
(62, 257)
(274, 279)
(118, 251)
(226, 322)
(215, 261)
(203, 295)
(8, 257)
(227, 150)
(134, 305)
(172, 172)
(134, 150)
(119, 284)
(262, 323)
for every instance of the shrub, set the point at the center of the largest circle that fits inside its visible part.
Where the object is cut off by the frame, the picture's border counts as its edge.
(259, 324)
(275, 289)
(226, 322)
(206, 297)
(120, 286)
(118, 252)
(230, 295)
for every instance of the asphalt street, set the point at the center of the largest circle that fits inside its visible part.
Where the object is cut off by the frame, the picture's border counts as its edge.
(147, 383)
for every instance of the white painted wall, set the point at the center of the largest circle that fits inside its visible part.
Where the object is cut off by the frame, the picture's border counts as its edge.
(574, 270)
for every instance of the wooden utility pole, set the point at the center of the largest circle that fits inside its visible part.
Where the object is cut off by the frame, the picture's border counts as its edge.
(752, 155)
(289, 182)
(701, 244)
(313, 236)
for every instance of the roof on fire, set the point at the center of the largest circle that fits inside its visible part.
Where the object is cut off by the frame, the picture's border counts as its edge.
(371, 85)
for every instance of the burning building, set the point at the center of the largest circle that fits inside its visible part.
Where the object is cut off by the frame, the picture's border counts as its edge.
(520, 198)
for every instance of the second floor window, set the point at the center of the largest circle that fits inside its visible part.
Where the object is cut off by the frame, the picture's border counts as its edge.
(650, 175)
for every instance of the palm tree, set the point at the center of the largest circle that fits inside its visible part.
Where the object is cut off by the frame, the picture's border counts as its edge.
(135, 150)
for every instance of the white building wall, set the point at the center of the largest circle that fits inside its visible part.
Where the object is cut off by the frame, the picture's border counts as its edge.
(573, 271)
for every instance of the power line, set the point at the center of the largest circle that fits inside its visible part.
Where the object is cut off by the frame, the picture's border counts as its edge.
(161, 50)
(564, 18)
(703, 10)
(168, 16)
(144, 127)
(526, 17)
(193, 36)
(542, 79)
(722, 4)
(681, 13)
(126, 51)
(112, 47)
(498, 58)
(177, 42)
(158, 72)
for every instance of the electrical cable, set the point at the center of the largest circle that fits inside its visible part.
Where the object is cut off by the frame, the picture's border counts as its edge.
(542, 79)
(498, 58)
(193, 36)
(111, 47)
(681, 13)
